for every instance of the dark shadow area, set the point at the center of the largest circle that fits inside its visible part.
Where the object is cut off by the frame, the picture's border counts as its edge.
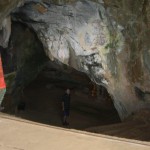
(42, 99)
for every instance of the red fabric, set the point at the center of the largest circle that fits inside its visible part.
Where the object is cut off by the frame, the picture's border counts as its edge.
(2, 81)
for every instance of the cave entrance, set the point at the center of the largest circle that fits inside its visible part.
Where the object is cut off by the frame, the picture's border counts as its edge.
(45, 83)
(43, 99)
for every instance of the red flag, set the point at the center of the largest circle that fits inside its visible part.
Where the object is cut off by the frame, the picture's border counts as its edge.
(2, 81)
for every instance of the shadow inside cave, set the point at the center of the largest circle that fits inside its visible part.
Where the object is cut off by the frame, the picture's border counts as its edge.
(42, 100)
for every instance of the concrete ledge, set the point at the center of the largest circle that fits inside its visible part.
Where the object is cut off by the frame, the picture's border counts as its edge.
(27, 135)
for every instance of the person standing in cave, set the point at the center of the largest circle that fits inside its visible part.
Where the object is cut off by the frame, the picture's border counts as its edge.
(66, 107)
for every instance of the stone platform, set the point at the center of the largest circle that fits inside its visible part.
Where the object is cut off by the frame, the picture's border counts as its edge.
(19, 134)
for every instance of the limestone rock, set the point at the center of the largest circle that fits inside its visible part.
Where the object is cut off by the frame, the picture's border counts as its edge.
(80, 34)
(6, 7)
(5, 32)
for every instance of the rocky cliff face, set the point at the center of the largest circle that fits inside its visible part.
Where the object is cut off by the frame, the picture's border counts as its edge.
(6, 7)
(108, 40)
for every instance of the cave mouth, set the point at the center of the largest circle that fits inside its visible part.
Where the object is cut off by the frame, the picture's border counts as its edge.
(40, 83)
(89, 108)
